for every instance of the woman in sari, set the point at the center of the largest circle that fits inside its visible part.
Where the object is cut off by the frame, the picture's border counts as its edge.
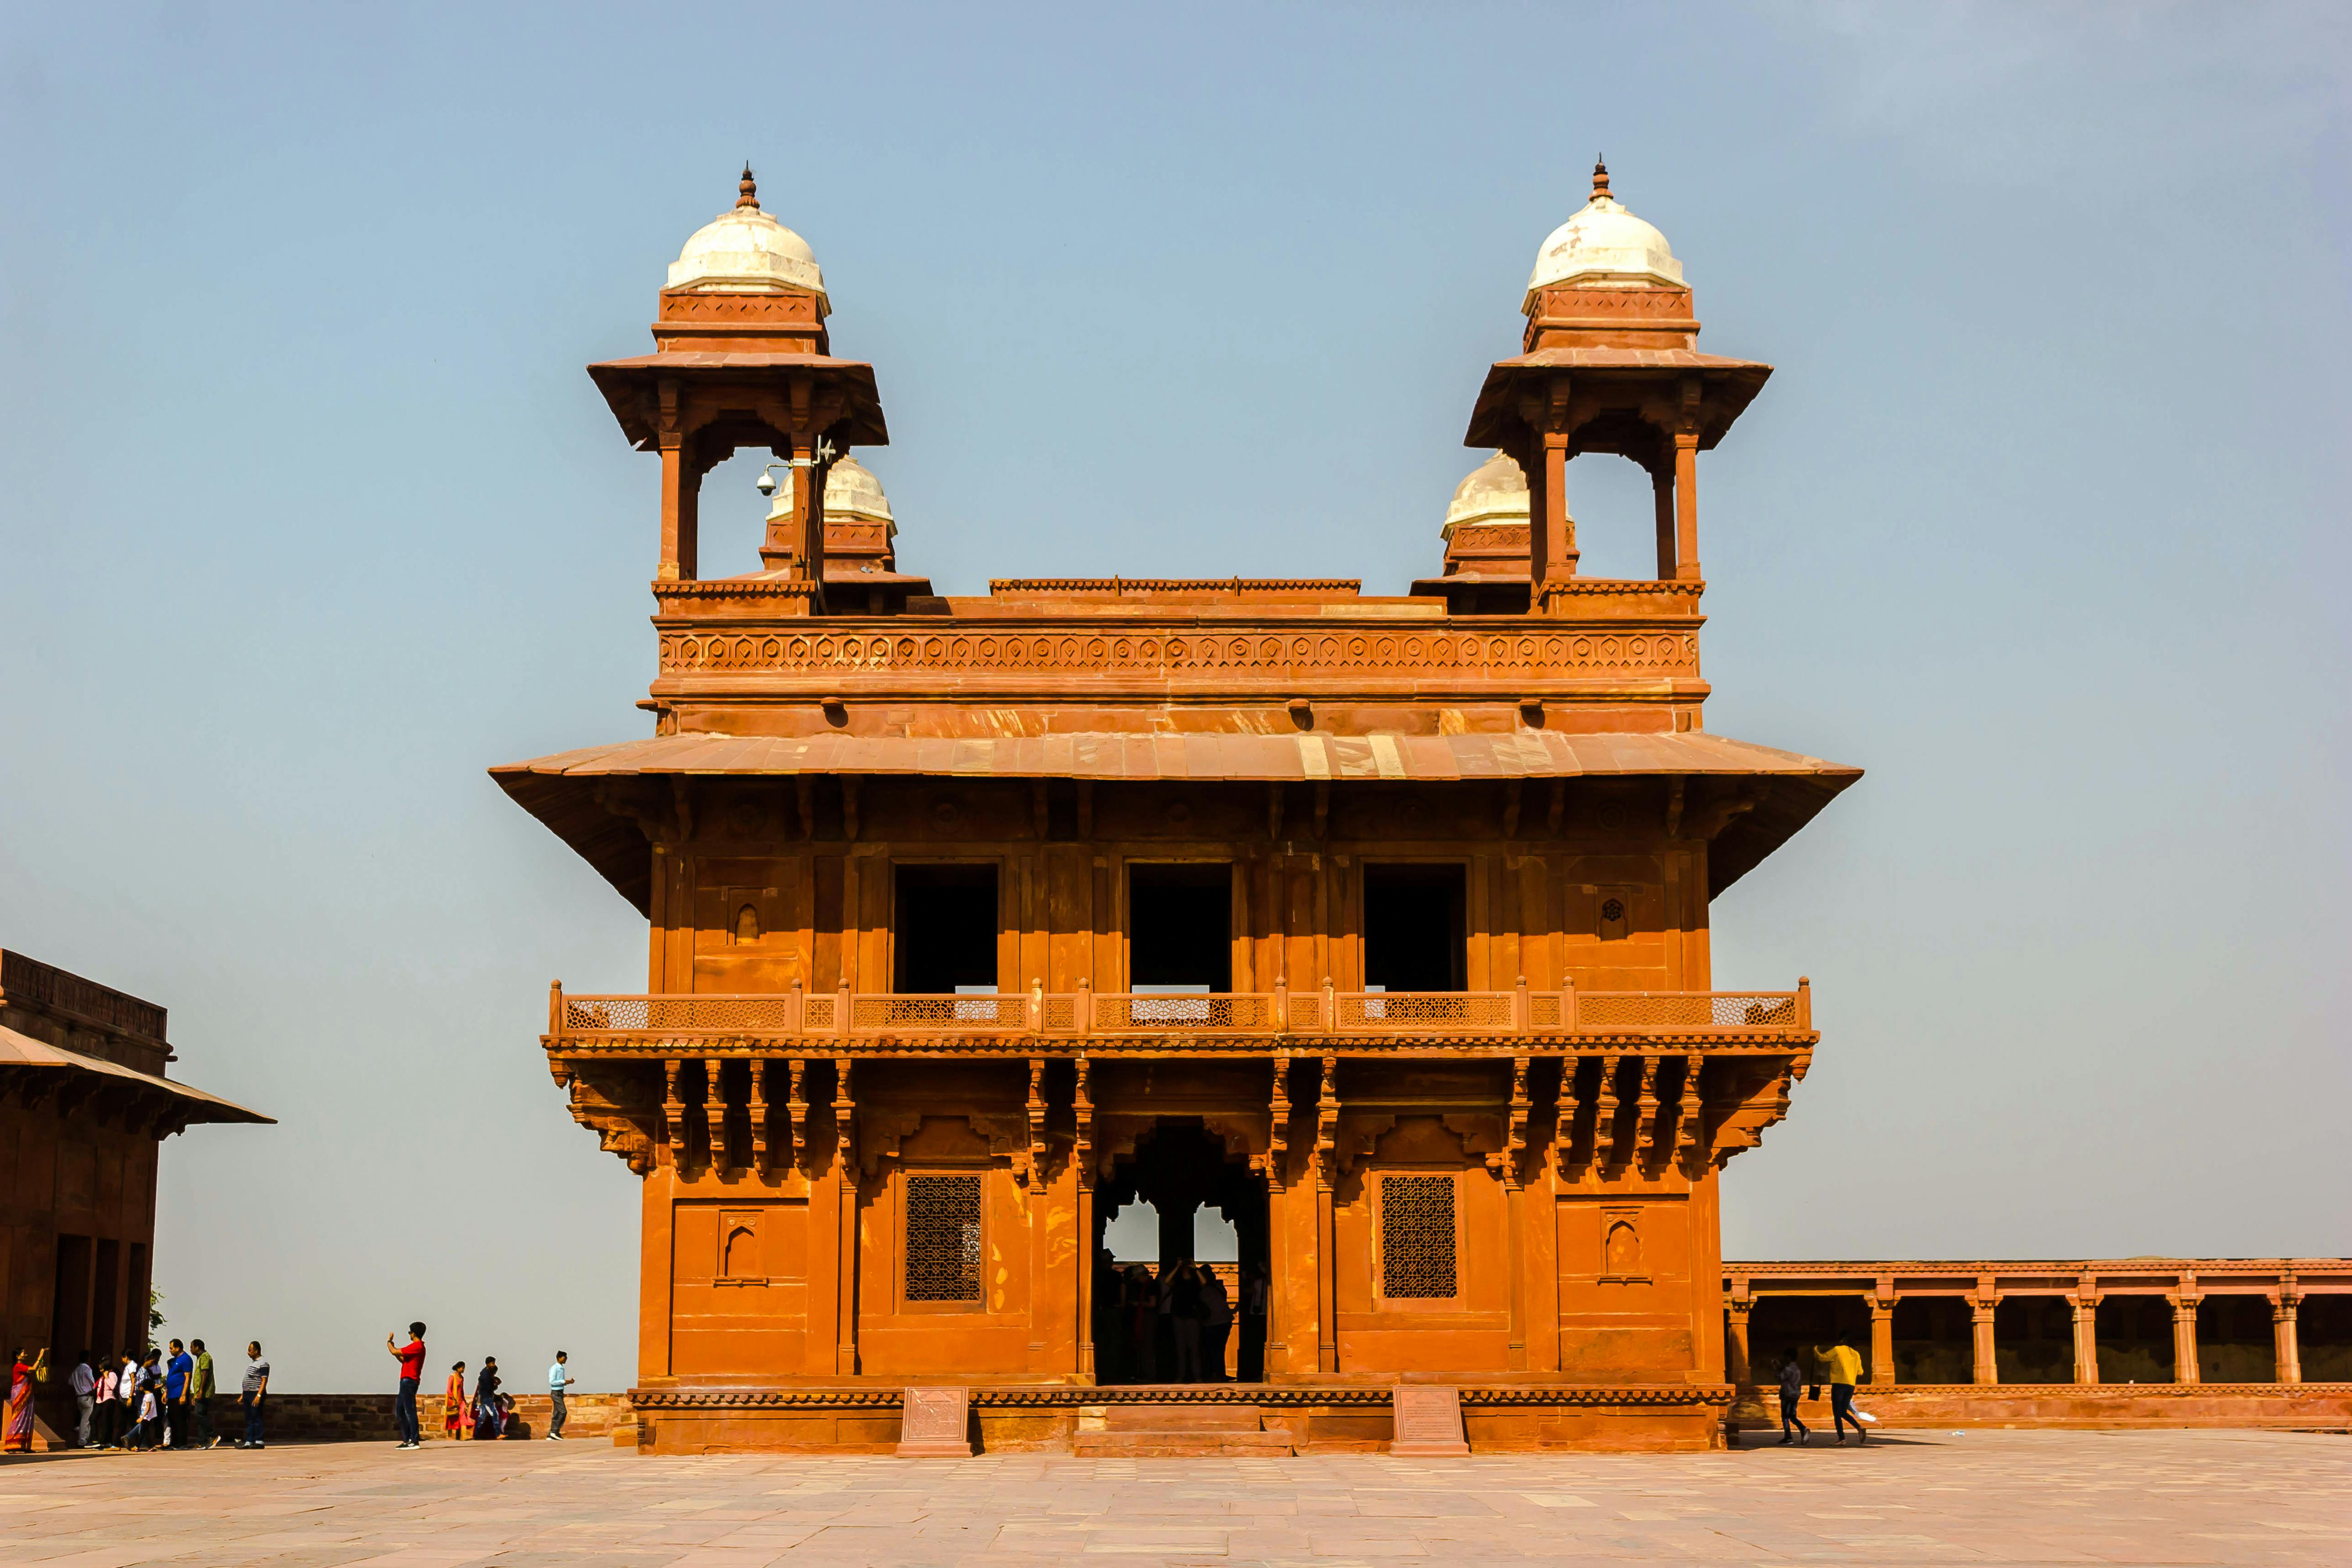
(16, 1424)
(457, 1417)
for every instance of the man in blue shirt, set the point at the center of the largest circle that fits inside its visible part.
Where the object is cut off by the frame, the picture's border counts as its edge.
(559, 1381)
(177, 1377)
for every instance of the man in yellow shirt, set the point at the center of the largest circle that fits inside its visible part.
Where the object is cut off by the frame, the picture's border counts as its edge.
(1842, 1366)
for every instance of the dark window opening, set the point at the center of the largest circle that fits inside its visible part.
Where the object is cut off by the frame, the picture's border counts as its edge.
(106, 1313)
(69, 1305)
(1180, 927)
(946, 932)
(138, 1310)
(2033, 1338)
(1934, 1339)
(1416, 936)
(2235, 1340)
(2324, 1338)
(2134, 1335)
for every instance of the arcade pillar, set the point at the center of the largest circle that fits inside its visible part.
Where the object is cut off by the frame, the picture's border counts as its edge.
(2283, 1331)
(1735, 1321)
(2184, 1338)
(2086, 1337)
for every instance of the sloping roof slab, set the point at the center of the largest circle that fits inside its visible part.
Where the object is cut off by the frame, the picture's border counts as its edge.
(563, 789)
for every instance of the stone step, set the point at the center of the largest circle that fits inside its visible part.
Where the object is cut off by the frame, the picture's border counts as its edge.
(1182, 1445)
(1182, 1419)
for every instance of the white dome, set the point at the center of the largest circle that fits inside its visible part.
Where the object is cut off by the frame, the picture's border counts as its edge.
(747, 251)
(1605, 245)
(1495, 491)
(852, 490)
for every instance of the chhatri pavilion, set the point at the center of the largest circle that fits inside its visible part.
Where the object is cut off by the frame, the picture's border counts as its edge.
(1376, 924)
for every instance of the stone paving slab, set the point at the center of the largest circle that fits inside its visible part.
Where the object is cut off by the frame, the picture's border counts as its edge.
(2247, 1499)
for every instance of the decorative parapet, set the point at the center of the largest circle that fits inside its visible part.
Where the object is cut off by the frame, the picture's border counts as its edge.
(1658, 1079)
(1027, 1024)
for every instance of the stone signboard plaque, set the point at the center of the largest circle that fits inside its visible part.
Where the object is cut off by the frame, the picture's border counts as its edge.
(935, 1424)
(1428, 1422)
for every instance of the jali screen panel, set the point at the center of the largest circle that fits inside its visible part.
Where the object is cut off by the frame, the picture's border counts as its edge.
(942, 1238)
(1417, 1228)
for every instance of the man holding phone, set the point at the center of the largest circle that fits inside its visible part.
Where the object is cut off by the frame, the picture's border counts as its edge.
(411, 1357)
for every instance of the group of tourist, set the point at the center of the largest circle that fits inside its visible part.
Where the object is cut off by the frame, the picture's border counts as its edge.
(1839, 1366)
(1172, 1326)
(485, 1413)
(137, 1401)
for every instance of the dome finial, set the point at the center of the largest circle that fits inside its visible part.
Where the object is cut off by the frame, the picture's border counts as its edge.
(748, 189)
(1600, 178)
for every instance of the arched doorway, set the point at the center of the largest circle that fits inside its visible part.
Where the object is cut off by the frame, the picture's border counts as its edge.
(1180, 1169)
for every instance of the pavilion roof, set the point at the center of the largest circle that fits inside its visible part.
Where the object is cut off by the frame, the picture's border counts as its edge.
(562, 790)
(1735, 384)
(625, 382)
(23, 1056)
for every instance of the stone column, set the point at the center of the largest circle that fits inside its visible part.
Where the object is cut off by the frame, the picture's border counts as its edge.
(2282, 1331)
(1686, 567)
(2184, 1338)
(1558, 527)
(1734, 1351)
(844, 1112)
(1987, 1370)
(1661, 493)
(673, 505)
(1882, 1342)
(2086, 1337)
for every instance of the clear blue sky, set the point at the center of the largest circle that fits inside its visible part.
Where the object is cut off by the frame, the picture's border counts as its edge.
(310, 515)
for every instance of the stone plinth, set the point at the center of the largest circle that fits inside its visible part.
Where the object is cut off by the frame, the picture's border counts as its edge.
(1428, 1422)
(935, 1424)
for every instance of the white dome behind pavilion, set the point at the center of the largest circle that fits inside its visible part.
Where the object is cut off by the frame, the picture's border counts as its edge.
(852, 490)
(1494, 491)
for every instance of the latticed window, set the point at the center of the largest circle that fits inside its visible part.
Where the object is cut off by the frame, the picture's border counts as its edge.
(1417, 1238)
(942, 1238)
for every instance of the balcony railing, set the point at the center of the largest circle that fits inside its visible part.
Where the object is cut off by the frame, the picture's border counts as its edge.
(1084, 1014)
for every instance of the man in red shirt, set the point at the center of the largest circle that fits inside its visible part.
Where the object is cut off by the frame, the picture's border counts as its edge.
(411, 1357)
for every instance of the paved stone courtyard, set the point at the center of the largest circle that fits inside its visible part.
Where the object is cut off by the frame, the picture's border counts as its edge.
(1988, 1496)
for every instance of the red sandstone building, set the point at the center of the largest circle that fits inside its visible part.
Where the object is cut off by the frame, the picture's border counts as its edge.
(1378, 924)
(85, 1103)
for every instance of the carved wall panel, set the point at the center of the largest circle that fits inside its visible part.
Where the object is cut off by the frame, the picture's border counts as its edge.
(738, 1285)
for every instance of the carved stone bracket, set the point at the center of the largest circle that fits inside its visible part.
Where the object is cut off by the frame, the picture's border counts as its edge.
(1083, 1145)
(1036, 1119)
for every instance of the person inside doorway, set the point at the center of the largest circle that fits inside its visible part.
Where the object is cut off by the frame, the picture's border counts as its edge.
(1255, 1288)
(1142, 1317)
(1216, 1324)
(1187, 1313)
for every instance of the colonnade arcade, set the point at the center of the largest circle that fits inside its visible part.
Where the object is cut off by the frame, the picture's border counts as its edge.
(2081, 1323)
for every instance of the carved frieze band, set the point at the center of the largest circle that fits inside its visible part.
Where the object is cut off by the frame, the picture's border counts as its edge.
(1292, 657)
(1066, 1397)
